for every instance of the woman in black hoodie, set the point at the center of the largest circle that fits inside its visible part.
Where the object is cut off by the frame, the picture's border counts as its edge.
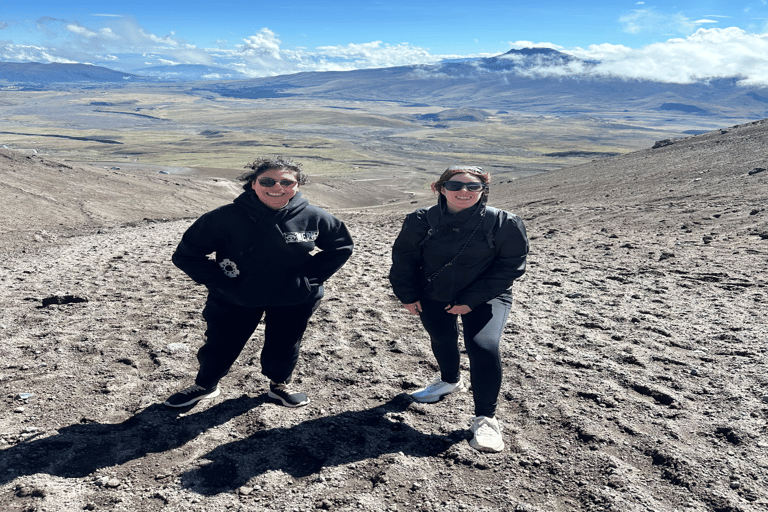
(460, 257)
(265, 266)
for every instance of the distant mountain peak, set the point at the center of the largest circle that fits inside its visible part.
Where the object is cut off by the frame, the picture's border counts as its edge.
(535, 51)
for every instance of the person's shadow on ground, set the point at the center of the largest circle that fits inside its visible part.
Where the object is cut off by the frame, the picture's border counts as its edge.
(80, 449)
(306, 448)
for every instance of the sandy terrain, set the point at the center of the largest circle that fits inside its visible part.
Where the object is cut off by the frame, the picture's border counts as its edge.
(635, 358)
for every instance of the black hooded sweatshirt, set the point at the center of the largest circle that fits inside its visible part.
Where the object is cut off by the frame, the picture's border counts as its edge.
(264, 257)
(493, 257)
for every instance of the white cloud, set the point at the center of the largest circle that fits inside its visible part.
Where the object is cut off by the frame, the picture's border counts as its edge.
(649, 20)
(81, 31)
(530, 44)
(706, 54)
(262, 55)
(122, 44)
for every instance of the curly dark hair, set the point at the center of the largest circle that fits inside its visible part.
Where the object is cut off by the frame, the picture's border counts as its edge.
(262, 165)
(450, 172)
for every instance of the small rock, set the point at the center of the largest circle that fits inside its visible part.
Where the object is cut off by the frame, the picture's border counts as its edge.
(24, 396)
(19, 409)
(245, 490)
(177, 348)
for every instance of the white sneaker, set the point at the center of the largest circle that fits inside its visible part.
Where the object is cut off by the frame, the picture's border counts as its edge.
(436, 390)
(487, 433)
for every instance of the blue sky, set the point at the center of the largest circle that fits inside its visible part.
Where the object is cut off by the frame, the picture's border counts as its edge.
(674, 41)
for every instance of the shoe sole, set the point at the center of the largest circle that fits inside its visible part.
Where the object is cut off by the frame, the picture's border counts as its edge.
(432, 400)
(213, 394)
(489, 449)
(270, 394)
(429, 400)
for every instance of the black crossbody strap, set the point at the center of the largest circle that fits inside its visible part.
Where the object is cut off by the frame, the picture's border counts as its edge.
(431, 277)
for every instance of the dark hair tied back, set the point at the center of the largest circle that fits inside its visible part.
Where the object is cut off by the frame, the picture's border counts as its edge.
(478, 172)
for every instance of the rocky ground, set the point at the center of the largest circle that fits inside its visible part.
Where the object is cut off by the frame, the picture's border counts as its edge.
(635, 358)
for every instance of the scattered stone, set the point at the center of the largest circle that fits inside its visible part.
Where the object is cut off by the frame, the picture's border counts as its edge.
(24, 396)
(110, 482)
(177, 348)
(662, 143)
(756, 170)
(245, 490)
(63, 299)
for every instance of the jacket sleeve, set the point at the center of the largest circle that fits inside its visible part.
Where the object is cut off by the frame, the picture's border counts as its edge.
(335, 244)
(509, 264)
(191, 256)
(407, 259)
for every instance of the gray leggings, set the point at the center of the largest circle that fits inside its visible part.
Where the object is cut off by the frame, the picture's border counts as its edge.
(483, 327)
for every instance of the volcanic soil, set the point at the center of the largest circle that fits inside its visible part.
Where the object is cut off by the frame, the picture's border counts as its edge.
(634, 359)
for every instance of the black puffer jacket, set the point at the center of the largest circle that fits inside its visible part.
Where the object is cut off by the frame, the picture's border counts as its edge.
(263, 256)
(494, 256)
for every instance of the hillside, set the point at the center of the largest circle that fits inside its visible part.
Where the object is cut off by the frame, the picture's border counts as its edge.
(634, 359)
(36, 73)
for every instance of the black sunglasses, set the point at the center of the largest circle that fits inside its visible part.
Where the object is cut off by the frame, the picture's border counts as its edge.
(472, 186)
(271, 182)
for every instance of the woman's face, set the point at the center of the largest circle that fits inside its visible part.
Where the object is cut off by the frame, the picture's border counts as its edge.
(461, 199)
(277, 195)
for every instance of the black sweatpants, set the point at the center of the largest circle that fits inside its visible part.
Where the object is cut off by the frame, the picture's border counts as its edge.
(231, 326)
(482, 327)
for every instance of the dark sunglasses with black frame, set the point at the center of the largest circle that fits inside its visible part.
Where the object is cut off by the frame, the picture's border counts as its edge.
(271, 182)
(472, 186)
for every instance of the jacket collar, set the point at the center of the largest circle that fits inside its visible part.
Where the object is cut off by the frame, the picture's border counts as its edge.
(249, 201)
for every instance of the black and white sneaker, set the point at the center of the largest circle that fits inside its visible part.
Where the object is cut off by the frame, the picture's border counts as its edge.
(191, 395)
(289, 397)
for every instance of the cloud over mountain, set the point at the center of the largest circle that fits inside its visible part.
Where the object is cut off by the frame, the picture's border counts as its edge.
(122, 43)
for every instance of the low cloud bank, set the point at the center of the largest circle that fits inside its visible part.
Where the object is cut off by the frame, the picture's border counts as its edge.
(122, 44)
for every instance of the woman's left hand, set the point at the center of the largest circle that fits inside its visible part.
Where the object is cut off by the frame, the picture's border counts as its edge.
(458, 309)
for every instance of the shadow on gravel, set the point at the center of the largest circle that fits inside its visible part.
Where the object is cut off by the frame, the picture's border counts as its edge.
(80, 449)
(308, 447)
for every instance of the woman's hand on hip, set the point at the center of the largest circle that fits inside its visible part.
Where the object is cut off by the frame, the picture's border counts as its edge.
(458, 309)
(414, 308)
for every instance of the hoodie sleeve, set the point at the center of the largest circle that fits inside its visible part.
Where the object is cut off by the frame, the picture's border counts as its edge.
(191, 256)
(509, 264)
(335, 244)
(407, 260)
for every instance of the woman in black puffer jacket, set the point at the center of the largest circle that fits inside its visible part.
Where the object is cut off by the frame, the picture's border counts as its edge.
(460, 257)
(273, 252)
